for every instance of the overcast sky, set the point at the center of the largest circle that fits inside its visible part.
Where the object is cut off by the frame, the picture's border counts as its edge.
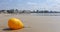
(30, 4)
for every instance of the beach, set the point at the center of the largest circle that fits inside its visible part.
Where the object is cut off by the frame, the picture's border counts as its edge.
(31, 23)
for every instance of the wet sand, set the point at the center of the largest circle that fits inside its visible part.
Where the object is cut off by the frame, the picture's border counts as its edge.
(32, 23)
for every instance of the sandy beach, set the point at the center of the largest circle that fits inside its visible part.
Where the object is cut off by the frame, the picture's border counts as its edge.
(32, 23)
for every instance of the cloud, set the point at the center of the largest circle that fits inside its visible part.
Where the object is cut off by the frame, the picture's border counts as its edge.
(31, 3)
(48, 5)
(54, 4)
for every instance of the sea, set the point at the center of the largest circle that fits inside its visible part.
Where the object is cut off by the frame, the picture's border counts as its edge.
(45, 14)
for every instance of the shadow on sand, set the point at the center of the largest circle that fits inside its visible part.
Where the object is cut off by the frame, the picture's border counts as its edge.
(7, 29)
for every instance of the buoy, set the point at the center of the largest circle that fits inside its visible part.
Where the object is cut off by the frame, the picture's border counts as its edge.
(15, 23)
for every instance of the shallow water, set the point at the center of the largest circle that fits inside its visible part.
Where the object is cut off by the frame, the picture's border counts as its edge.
(45, 14)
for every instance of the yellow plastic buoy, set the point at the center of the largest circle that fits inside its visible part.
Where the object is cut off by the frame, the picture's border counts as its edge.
(15, 23)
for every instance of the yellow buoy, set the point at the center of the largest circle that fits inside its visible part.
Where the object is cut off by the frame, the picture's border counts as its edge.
(15, 23)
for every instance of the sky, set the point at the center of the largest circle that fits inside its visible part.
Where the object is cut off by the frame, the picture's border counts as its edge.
(30, 4)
